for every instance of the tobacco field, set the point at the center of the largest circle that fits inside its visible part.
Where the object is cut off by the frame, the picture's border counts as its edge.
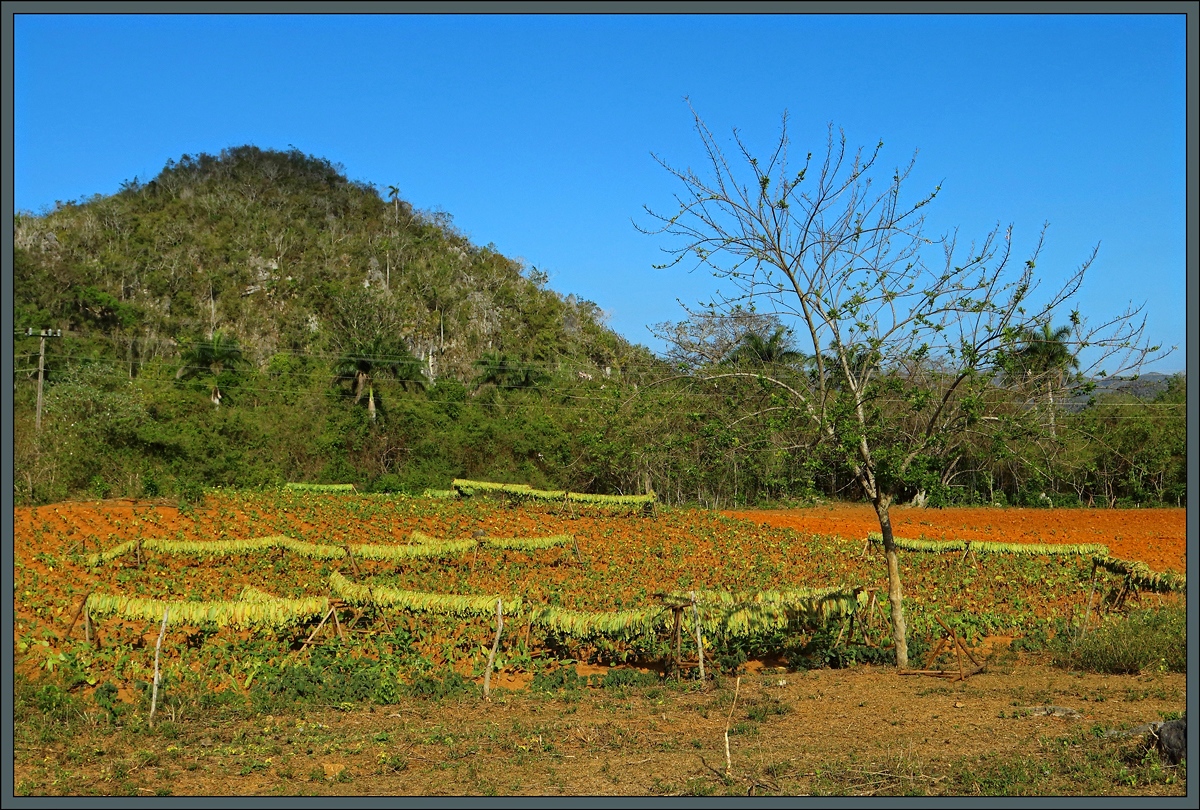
(414, 582)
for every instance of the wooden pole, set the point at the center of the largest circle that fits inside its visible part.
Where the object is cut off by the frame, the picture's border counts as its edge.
(699, 637)
(316, 630)
(41, 374)
(353, 564)
(487, 674)
(162, 631)
(1087, 616)
(842, 633)
(960, 648)
(78, 613)
(42, 335)
(728, 720)
(929, 659)
(677, 634)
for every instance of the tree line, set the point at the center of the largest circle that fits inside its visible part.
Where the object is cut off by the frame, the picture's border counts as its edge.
(254, 317)
(212, 418)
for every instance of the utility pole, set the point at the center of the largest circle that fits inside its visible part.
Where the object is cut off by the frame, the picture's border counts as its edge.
(45, 333)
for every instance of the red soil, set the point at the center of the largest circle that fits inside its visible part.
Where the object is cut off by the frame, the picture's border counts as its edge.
(1157, 537)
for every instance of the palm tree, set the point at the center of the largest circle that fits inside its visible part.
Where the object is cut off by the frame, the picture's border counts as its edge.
(361, 367)
(213, 357)
(754, 349)
(1045, 354)
(394, 196)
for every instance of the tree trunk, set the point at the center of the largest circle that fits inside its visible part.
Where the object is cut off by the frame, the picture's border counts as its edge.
(895, 591)
(371, 401)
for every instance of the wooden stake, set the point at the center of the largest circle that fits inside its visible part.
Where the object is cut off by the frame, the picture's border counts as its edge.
(316, 630)
(677, 634)
(962, 646)
(487, 674)
(337, 624)
(353, 564)
(78, 613)
(940, 673)
(1087, 616)
(959, 650)
(728, 720)
(699, 637)
(162, 631)
(868, 621)
(937, 650)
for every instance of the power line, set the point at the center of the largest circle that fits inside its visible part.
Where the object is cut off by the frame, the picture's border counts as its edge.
(579, 406)
(687, 388)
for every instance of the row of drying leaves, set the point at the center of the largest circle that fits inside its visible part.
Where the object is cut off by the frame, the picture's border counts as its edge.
(735, 614)
(421, 547)
(732, 614)
(1137, 573)
(321, 487)
(467, 489)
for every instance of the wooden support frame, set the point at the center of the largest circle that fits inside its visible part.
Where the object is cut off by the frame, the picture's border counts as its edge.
(960, 649)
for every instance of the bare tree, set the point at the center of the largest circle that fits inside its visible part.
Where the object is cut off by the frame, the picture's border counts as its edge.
(707, 337)
(911, 337)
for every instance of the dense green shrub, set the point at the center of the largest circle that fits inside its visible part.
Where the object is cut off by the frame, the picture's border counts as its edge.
(617, 678)
(448, 683)
(557, 679)
(1148, 639)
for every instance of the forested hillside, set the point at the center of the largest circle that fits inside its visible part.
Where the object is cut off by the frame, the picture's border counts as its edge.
(254, 317)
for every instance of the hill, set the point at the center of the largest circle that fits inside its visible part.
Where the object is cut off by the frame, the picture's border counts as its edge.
(340, 335)
(279, 251)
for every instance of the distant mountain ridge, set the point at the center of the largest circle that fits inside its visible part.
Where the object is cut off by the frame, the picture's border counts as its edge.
(1144, 386)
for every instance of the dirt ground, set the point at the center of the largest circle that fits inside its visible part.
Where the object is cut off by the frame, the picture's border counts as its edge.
(862, 731)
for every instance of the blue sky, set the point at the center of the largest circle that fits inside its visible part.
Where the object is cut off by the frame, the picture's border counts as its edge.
(536, 132)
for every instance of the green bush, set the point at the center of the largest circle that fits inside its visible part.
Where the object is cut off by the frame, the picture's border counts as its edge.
(450, 684)
(1145, 639)
(55, 703)
(328, 679)
(822, 650)
(618, 678)
(557, 679)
